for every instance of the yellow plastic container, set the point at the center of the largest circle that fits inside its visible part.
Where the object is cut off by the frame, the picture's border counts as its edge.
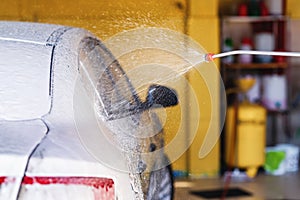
(246, 148)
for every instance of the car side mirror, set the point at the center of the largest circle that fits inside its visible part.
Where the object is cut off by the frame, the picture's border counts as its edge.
(160, 96)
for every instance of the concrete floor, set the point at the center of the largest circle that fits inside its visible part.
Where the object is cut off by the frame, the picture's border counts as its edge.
(262, 187)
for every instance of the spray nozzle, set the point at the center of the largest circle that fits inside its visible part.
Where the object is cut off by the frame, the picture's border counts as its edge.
(209, 57)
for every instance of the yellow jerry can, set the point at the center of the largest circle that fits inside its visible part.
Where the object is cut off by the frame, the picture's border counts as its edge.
(246, 148)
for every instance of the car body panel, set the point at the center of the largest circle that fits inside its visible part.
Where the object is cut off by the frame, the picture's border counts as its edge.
(32, 33)
(24, 89)
(57, 152)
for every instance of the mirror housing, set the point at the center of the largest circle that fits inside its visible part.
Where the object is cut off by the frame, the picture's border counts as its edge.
(160, 96)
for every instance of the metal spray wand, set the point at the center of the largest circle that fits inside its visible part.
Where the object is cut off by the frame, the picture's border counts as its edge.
(210, 57)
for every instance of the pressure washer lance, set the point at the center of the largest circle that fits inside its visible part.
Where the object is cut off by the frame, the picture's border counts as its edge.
(210, 56)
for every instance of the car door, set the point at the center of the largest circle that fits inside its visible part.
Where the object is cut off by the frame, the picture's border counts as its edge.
(127, 122)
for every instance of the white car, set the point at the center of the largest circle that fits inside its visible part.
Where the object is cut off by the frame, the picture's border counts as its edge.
(48, 75)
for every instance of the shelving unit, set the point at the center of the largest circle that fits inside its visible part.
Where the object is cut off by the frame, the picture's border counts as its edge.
(257, 66)
(236, 27)
(250, 19)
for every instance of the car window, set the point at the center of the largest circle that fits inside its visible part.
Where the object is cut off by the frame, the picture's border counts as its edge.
(104, 77)
(125, 126)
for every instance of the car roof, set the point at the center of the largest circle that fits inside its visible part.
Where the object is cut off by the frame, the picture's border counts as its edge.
(30, 32)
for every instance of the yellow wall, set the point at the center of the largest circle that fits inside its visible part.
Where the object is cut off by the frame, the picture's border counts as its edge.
(203, 27)
(102, 17)
(293, 9)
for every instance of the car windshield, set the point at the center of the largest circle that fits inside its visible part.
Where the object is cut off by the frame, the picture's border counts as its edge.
(105, 79)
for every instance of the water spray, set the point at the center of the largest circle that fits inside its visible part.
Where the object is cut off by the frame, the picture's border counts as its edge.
(210, 57)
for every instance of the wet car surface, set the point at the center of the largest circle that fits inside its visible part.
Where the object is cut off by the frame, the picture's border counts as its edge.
(43, 75)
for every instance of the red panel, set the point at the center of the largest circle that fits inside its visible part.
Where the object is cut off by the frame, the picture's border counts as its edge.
(2, 179)
(103, 187)
(90, 181)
